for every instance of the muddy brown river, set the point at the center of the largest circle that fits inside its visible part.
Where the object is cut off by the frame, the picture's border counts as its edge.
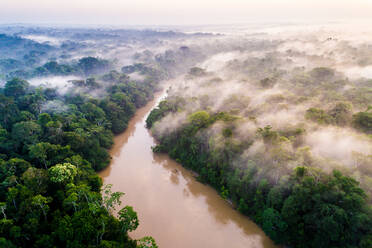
(172, 206)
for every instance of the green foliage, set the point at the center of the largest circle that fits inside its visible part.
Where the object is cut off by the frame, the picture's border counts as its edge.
(91, 65)
(9, 112)
(57, 69)
(157, 113)
(6, 243)
(46, 154)
(224, 192)
(62, 173)
(36, 179)
(111, 199)
(341, 113)
(26, 133)
(318, 115)
(40, 202)
(269, 136)
(199, 119)
(273, 225)
(128, 219)
(224, 117)
(147, 242)
(49, 190)
(308, 208)
(363, 121)
(16, 87)
(93, 113)
(227, 132)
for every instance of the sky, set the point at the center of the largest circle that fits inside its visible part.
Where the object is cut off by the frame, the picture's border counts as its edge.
(178, 12)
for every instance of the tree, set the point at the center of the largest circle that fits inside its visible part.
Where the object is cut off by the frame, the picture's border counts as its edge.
(224, 192)
(91, 83)
(16, 87)
(273, 225)
(124, 102)
(319, 116)
(54, 131)
(43, 119)
(128, 219)
(45, 154)
(26, 116)
(16, 166)
(36, 180)
(91, 65)
(41, 202)
(31, 102)
(75, 140)
(116, 115)
(147, 242)
(26, 132)
(9, 112)
(62, 173)
(12, 196)
(341, 113)
(110, 199)
(6, 143)
(39, 152)
(199, 119)
(363, 121)
(93, 113)
(269, 136)
(6, 243)
(71, 200)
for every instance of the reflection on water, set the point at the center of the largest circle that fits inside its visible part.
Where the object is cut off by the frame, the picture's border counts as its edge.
(172, 206)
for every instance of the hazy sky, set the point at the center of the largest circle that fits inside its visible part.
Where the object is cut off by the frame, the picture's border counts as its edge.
(175, 12)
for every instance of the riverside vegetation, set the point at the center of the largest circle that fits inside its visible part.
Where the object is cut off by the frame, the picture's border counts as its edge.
(288, 143)
(55, 136)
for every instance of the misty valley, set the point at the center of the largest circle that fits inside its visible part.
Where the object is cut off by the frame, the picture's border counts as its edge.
(210, 136)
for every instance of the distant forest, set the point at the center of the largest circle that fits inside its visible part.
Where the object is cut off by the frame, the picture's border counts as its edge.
(60, 107)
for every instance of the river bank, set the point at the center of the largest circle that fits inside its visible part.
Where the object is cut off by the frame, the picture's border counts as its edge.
(172, 206)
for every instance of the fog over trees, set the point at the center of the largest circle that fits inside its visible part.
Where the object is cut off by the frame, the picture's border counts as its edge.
(281, 126)
(278, 119)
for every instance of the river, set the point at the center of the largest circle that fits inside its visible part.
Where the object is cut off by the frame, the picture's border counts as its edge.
(172, 206)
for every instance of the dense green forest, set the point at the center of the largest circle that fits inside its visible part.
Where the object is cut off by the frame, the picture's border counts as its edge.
(279, 125)
(50, 194)
(289, 146)
(61, 103)
(309, 208)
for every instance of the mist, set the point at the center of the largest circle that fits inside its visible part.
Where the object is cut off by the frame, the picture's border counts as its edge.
(251, 117)
(275, 80)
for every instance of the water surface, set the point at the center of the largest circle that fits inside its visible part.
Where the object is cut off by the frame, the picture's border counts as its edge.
(174, 208)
